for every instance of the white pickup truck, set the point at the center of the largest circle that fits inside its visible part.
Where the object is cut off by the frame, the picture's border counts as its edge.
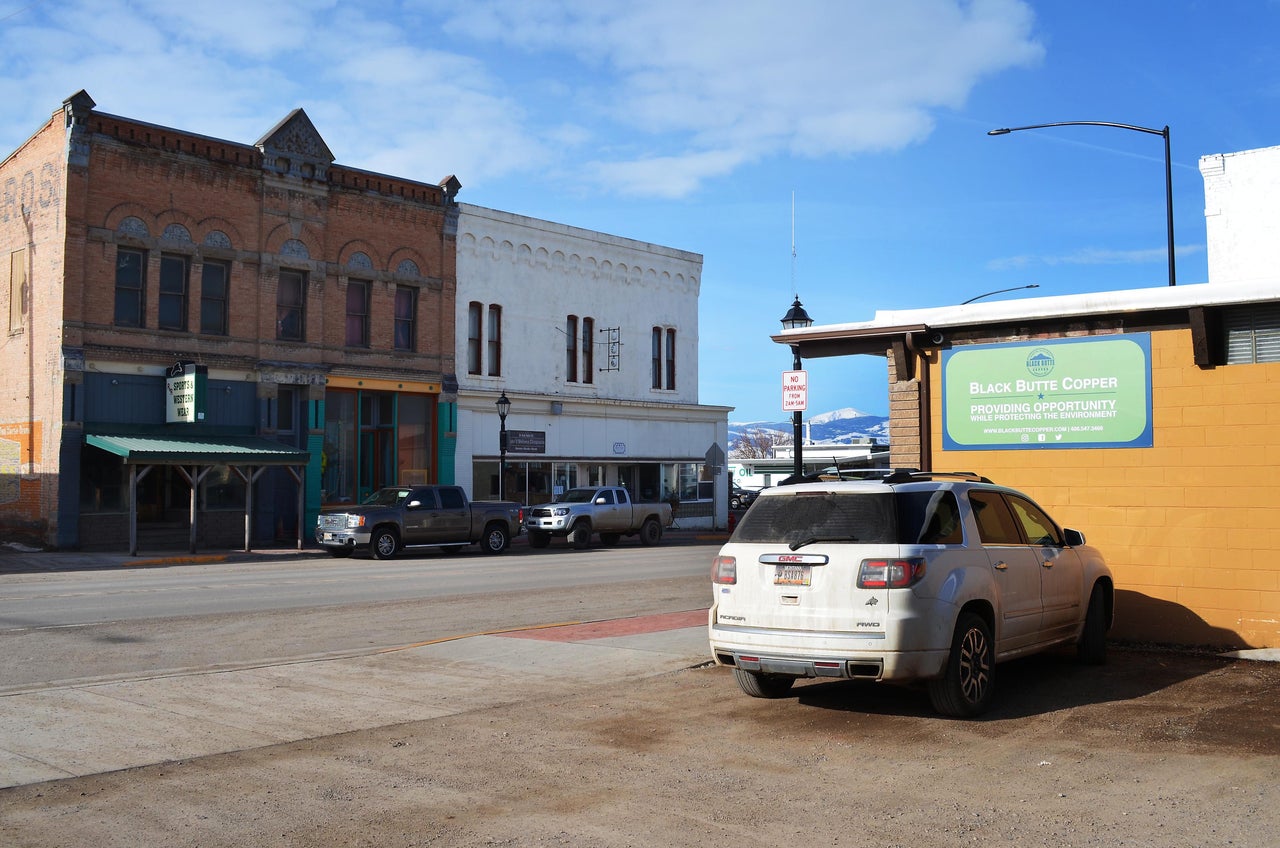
(607, 510)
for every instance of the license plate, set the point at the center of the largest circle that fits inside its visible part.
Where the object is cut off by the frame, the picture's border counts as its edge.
(328, 537)
(792, 575)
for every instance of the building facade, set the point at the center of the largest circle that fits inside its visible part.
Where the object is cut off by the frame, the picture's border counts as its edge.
(593, 339)
(213, 338)
(1148, 418)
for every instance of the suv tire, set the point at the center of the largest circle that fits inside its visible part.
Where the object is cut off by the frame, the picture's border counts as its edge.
(759, 685)
(1092, 647)
(964, 689)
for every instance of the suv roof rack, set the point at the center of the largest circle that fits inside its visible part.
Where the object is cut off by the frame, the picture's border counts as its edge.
(907, 475)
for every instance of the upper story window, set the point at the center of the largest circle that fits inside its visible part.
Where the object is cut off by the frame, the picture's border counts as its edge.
(484, 339)
(357, 334)
(18, 292)
(131, 273)
(174, 273)
(495, 340)
(579, 363)
(405, 334)
(671, 358)
(214, 279)
(663, 355)
(290, 305)
(655, 356)
(571, 349)
(1252, 334)
(475, 314)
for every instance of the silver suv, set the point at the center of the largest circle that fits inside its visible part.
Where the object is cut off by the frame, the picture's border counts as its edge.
(916, 576)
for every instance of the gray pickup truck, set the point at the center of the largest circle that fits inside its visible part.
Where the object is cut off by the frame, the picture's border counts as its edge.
(400, 517)
(607, 510)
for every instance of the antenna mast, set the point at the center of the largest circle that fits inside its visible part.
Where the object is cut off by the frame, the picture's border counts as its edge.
(794, 293)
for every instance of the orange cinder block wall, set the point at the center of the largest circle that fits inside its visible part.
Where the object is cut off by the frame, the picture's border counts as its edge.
(1190, 526)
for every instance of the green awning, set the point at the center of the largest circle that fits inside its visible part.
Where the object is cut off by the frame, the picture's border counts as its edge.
(198, 450)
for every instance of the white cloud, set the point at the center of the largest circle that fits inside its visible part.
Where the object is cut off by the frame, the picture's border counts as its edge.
(655, 98)
(739, 80)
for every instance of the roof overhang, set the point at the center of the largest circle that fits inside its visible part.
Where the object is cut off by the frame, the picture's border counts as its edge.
(919, 325)
(197, 450)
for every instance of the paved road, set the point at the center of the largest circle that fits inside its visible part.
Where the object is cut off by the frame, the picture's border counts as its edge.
(155, 661)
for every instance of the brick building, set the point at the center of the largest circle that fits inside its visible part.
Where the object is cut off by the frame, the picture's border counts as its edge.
(1148, 418)
(187, 314)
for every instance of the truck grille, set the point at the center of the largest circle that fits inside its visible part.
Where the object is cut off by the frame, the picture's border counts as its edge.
(333, 522)
(540, 513)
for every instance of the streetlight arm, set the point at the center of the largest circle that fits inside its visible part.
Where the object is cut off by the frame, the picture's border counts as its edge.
(1168, 168)
(1006, 130)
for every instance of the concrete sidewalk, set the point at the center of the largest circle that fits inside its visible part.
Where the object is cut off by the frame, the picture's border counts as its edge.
(97, 726)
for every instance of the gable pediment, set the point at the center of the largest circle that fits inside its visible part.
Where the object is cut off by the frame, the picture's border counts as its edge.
(296, 139)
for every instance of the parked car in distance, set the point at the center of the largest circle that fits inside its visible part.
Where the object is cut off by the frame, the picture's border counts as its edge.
(914, 577)
(400, 517)
(740, 498)
(607, 510)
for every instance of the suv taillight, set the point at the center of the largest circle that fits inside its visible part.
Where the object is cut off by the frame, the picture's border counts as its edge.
(725, 570)
(890, 573)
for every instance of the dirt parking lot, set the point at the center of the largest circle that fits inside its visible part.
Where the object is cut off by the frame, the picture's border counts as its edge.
(1153, 749)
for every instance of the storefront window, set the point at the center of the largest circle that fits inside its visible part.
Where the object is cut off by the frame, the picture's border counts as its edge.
(222, 488)
(413, 443)
(338, 465)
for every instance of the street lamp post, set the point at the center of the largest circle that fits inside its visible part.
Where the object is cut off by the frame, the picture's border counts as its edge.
(1168, 167)
(504, 406)
(797, 319)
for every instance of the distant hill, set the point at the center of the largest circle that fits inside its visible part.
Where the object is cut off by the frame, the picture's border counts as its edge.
(843, 426)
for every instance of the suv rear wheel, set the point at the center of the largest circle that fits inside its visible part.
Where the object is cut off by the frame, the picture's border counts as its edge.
(1092, 647)
(759, 685)
(965, 687)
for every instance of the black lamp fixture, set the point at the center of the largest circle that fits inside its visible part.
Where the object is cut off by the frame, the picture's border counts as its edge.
(1168, 167)
(504, 406)
(797, 319)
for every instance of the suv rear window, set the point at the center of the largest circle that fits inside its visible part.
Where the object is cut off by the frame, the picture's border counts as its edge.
(867, 517)
(905, 518)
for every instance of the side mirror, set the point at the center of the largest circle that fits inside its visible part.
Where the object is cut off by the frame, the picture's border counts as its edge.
(1073, 538)
(413, 504)
(600, 500)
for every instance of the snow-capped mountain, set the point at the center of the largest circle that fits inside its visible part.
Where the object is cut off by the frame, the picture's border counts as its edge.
(841, 426)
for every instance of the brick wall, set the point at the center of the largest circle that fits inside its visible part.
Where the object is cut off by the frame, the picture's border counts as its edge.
(31, 227)
(1190, 525)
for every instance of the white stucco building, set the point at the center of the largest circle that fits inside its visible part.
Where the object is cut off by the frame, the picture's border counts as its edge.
(594, 340)
(1240, 191)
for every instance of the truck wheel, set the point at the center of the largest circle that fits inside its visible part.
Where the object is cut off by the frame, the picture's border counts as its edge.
(580, 534)
(495, 539)
(650, 532)
(538, 539)
(384, 544)
(965, 687)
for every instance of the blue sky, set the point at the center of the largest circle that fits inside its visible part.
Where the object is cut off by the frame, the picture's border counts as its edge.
(695, 124)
